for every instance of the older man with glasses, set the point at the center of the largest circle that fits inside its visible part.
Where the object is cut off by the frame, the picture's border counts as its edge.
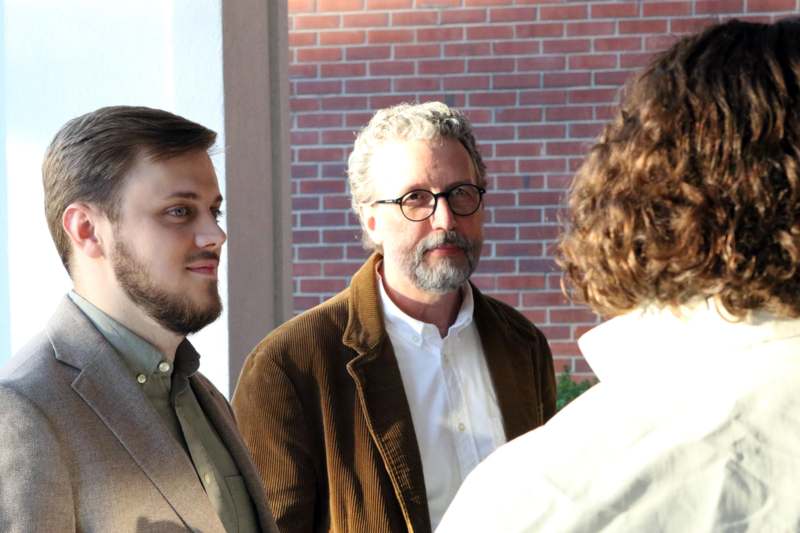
(367, 412)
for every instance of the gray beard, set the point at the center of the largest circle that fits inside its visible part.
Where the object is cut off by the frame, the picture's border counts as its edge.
(173, 311)
(449, 273)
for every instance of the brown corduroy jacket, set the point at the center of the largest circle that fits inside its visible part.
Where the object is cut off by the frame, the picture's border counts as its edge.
(321, 404)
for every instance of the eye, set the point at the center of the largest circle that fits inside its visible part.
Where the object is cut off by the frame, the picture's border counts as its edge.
(179, 211)
(217, 212)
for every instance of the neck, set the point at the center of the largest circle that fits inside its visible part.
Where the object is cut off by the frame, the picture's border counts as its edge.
(116, 304)
(441, 310)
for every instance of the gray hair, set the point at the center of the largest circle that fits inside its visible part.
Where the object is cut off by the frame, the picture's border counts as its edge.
(406, 122)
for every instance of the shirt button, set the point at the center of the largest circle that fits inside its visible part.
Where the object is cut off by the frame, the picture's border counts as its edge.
(207, 478)
(141, 378)
(163, 367)
(461, 427)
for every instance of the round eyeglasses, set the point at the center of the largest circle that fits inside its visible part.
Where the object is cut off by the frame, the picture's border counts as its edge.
(420, 204)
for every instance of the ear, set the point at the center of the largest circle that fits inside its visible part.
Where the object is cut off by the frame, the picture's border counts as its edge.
(370, 223)
(81, 223)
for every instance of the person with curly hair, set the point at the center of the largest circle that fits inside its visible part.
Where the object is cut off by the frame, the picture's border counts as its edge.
(683, 228)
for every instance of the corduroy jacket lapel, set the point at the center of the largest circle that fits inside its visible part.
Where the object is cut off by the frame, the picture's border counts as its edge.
(380, 391)
(107, 387)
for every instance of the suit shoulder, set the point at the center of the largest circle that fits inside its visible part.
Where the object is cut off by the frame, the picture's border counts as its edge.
(32, 364)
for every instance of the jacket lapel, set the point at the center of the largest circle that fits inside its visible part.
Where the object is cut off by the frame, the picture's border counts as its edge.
(380, 391)
(510, 361)
(216, 409)
(107, 387)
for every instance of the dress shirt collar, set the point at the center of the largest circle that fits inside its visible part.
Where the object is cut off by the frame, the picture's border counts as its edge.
(409, 328)
(141, 357)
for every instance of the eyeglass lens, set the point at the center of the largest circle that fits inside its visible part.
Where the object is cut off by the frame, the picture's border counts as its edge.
(419, 205)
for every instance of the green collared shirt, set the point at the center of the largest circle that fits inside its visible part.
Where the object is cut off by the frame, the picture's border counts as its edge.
(167, 387)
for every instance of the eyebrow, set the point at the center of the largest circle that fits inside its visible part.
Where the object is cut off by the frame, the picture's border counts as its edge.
(189, 195)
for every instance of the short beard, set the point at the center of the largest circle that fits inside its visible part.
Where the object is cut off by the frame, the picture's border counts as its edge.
(173, 311)
(448, 274)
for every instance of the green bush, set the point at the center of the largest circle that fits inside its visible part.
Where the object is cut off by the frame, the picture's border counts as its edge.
(567, 389)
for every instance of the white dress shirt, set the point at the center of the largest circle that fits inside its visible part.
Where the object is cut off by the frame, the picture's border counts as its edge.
(694, 427)
(449, 390)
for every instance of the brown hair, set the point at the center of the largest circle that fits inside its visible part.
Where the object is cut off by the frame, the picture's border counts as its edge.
(90, 156)
(693, 190)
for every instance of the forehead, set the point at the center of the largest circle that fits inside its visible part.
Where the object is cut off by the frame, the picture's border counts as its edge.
(399, 166)
(151, 180)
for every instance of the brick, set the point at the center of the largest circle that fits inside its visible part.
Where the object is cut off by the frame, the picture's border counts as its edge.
(518, 249)
(336, 170)
(690, 25)
(566, 79)
(448, 66)
(643, 26)
(498, 199)
(322, 219)
(325, 285)
(340, 5)
(346, 136)
(496, 166)
(541, 198)
(521, 149)
(318, 55)
(542, 63)
(545, 164)
(344, 102)
(357, 120)
(390, 36)
(375, 85)
(302, 71)
(417, 50)
(320, 154)
(539, 232)
(302, 38)
(299, 6)
(572, 316)
(659, 42)
(342, 269)
(535, 316)
(573, 12)
(499, 233)
(451, 83)
(516, 81)
(515, 47)
(770, 5)
(305, 203)
(523, 282)
(336, 201)
(491, 65)
(493, 133)
(409, 85)
(592, 61)
(306, 269)
(305, 237)
(391, 68)
(441, 34)
(463, 16)
(304, 137)
(519, 114)
(526, 31)
(564, 348)
(358, 53)
(318, 87)
(713, 7)
(492, 99)
(319, 120)
(467, 49)
(497, 265)
(514, 215)
(379, 102)
(592, 29)
(561, 182)
(303, 303)
(472, 3)
(585, 129)
(343, 70)
(542, 131)
(389, 4)
(585, 96)
(538, 265)
(414, 18)
(357, 252)
(341, 235)
(512, 14)
(618, 44)
(614, 11)
(666, 9)
(635, 61)
(542, 97)
(551, 332)
(566, 46)
(616, 78)
(341, 37)
(304, 170)
(316, 22)
(365, 20)
(303, 104)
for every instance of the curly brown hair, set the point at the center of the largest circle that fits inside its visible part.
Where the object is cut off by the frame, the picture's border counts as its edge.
(693, 189)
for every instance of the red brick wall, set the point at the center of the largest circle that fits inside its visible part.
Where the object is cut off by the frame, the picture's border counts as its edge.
(537, 78)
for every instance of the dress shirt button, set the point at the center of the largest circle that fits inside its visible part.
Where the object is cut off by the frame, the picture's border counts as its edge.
(207, 478)
(141, 378)
(163, 367)
(461, 426)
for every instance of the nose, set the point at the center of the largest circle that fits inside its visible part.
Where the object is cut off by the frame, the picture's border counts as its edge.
(443, 217)
(210, 234)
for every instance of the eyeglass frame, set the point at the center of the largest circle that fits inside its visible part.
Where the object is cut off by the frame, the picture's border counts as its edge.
(436, 195)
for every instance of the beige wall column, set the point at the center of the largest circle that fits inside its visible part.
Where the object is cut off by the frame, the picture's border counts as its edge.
(257, 181)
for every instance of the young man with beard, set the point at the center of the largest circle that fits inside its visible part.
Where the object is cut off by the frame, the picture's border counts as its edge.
(106, 423)
(365, 413)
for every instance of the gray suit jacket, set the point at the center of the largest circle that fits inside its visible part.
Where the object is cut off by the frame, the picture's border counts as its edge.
(81, 449)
